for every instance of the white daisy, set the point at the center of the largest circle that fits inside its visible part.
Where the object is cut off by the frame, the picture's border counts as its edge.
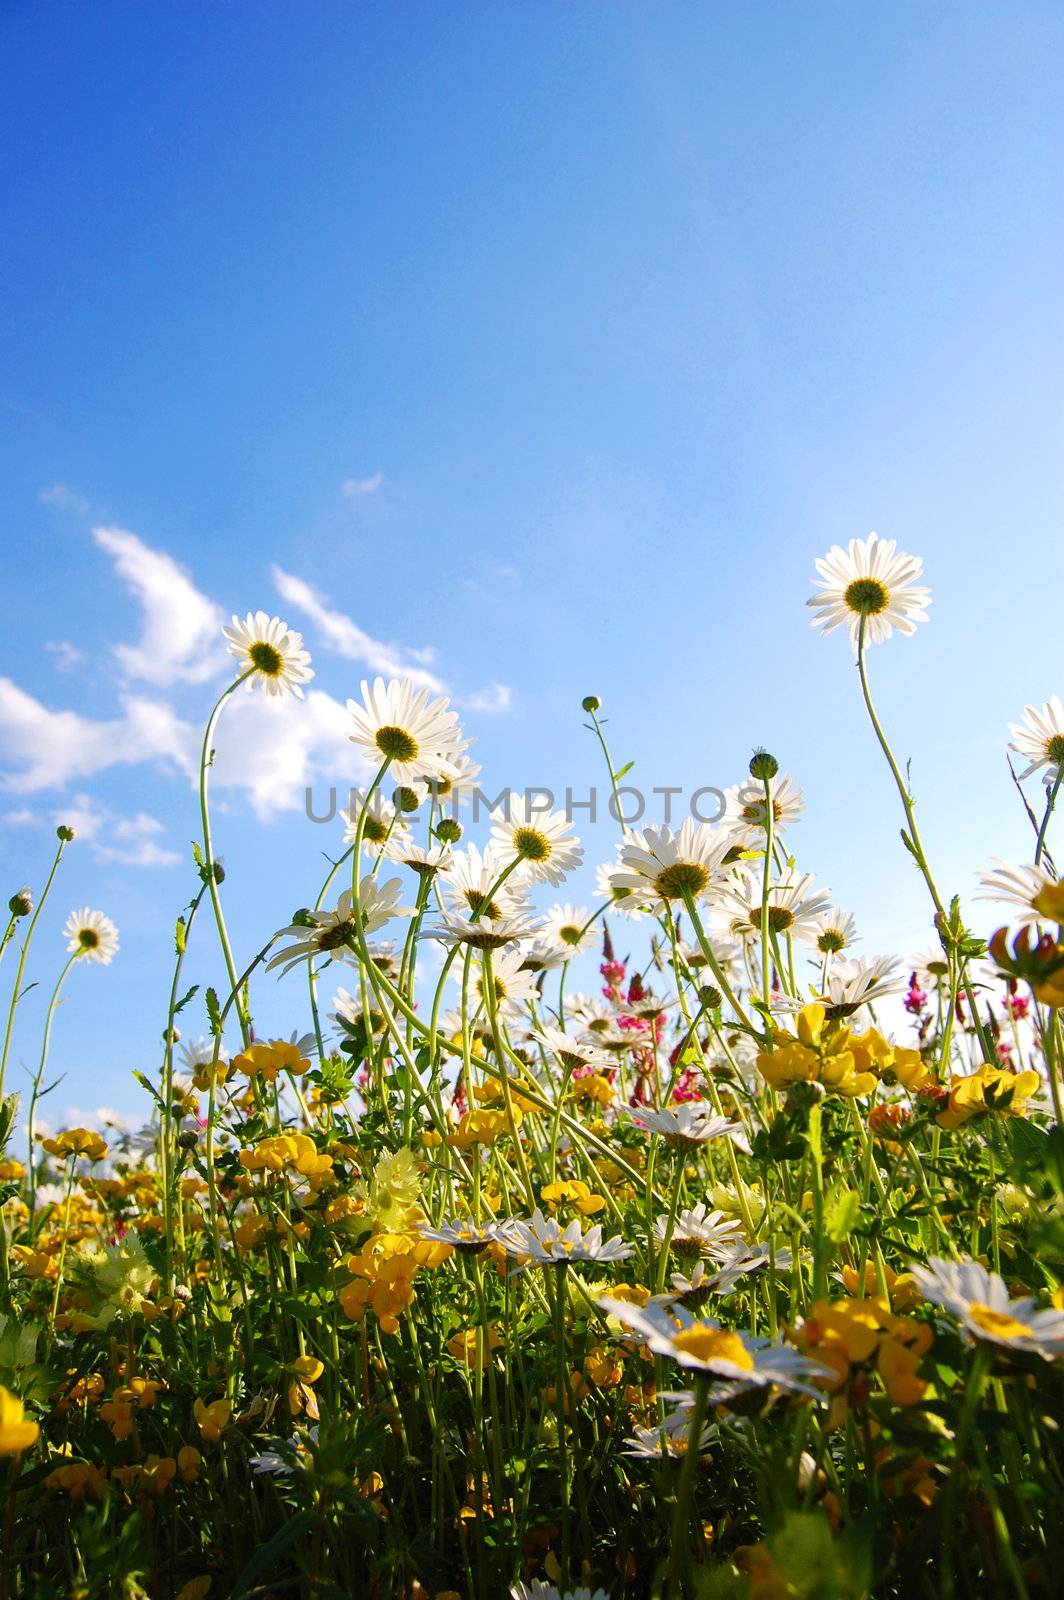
(425, 860)
(543, 955)
(981, 1303)
(1040, 737)
(462, 1234)
(401, 724)
(513, 984)
(793, 907)
(699, 1344)
(382, 822)
(1017, 888)
(572, 1054)
(454, 789)
(852, 984)
(567, 926)
(699, 1231)
(91, 936)
(330, 932)
(835, 932)
(274, 655)
(869, 582)
(589, 1012)
(546, 1243)
(744, 815)
(483, 934)
(469, 881)
(354, 1017)
(542, 841)
(538, 1589)
(671, 1438)
(659, 864)
(692, 1122)
(620, 898)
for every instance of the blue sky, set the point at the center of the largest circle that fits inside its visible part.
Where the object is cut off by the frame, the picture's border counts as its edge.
(549, 344)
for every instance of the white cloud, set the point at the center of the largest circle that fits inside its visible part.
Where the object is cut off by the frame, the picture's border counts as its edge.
(348, 639)
(66, 499)
(67, 655)
(49, 748)
(496, 697)
(181, 630)
(130, 841)
(275, 749)
(353, 487)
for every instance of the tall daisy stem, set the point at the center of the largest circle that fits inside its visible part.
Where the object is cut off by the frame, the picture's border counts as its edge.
(208, 867)
(65, 835)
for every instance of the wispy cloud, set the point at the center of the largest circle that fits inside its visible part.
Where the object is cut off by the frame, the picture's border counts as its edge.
(50, 749)
(128, 841)
(65, 499)
(344, 635)
(496, 697)
(66, 654)
(181, 628)
(354, 487)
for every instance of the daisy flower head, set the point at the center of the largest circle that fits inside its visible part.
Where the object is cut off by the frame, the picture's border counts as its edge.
(672, 1437)
(691, 1123)
(542, 841)
(545, 1243)
(425, 860)
(699, 1344)
(981, 1303)
(543, 955)
(91, 936)
(852, 984)
(698, 1231)
(745, 809)
(869, 584)
(620, 898)
(270, 653)
(454, 789)
(329, 933)
(835, 932)
(539, 1589)
(1020, 888)
(403, 726)
(462, 1234)
(471, 887)
(793, 906)
(381, 821)
(484, 934)
(1040, 737)
(572, 1054)
(513, 983)
(659, 864)
(567, 927)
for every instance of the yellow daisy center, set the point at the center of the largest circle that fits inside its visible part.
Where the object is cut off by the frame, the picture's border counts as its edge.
(88, 938)
(1055, 748)
(867, 596)
(569, 934)
(682, 877)
(707, 1343)
(265, 659)
(998, 1323)
(779, 918)
(396, 743)
(531, 845)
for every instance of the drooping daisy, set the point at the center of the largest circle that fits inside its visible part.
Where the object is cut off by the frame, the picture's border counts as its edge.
(547, 1244)
(1017, 887)
(691, 1123)
(273, 654)
(91, 936)
(852, 984)
(425, 860)
(543, 955)
(417, 735)
(744, 814)
(484, 934)
(699, 1231)
(658, 864)
(699, 1344)
(836, 931)
(469, 885)
(793, 907)
(572, 1054)
(981, 1303)
(329, 932)
(542, 841)
(1040, 737)
(869, 583)
(567, 926)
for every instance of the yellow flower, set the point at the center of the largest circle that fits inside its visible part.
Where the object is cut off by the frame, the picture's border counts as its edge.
(820, 1053)
(307, 1368)
(1050, 901)
(79, 1479)
(189, 1462)
(574, 1194)
(77, 1142)
(16, 1434)
(990, 1090)
(195, 1588)
(464, 1345)
(481, 1127)
(267, 1060)
(213, 1419)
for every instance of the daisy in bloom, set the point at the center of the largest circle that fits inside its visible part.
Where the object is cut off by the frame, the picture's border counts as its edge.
(684, 1126)
(699, 1344)
(469, 885)
(513, 984)
(744, 815)
(589, 1013)
(353, 1017)
(1040, 737)
(835, 932)
(454, 789)
(793, 908)
(852, 984)
(700, 1232)
(273, 655)
(572, 1054)
(672, 1438)
(621, 899)
(425, 860)
(462, 1234)
(1021, 888)
(539, 1590)
(659, 864)
(547, 1244)
(416, 735)
(541, 841)
(869, 583)
(484, 935)
(543, 955)
(567, 926)
(382, 821)
(329, 933)
(91, 936)
(981, 1303)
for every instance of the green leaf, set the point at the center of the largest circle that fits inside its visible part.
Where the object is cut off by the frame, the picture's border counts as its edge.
(842, 1214)
(267, 1555)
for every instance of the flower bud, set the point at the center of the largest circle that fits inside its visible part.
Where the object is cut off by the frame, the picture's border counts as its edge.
(449, 830)
(406, 800)
(591, 702)
(21, 903)
(64, 833)
(710, 997)
(763, 766)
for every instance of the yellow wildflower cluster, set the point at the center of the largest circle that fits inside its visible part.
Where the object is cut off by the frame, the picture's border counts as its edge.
(843, 1062)
(77, 1142)
(857, 1338)
(289, 1152)
(989, 1091)
(384, 1272)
